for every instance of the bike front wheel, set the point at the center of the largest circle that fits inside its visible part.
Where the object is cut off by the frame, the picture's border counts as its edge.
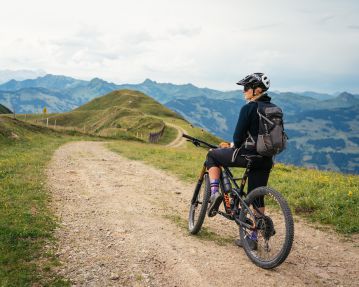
(199, 204)
(268, 241)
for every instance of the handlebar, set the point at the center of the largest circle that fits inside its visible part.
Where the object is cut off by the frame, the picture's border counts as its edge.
(198, 142)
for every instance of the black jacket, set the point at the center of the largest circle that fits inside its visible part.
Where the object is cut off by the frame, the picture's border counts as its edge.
(248, 121)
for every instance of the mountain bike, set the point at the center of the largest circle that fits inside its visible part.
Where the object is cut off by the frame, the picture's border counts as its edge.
(274, 227)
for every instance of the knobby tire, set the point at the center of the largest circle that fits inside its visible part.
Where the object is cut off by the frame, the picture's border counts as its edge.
(288, 223)
(198, 209)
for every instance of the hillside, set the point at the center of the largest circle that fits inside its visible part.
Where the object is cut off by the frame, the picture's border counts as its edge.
(26, 223)
(34, 99)
(4, 110)
(13, 130)
(121, 114)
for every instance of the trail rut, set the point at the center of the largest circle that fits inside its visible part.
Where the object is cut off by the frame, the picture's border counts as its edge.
(117, 229)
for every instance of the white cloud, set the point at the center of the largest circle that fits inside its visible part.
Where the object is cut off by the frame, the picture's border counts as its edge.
(301, 45)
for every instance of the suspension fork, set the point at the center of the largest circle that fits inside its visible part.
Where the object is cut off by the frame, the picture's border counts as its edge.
(199, 183)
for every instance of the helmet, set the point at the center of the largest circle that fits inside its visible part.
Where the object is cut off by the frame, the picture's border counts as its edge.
(256, 80)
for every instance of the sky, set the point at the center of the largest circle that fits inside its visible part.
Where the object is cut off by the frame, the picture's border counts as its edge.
(301, 45)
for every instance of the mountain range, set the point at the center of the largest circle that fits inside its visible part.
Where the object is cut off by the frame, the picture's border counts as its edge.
(323, 128)
(7, 75)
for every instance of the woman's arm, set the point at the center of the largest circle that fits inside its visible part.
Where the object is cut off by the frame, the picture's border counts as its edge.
(240, 133)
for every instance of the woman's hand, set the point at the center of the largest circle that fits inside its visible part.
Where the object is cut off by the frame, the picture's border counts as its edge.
(224, 145)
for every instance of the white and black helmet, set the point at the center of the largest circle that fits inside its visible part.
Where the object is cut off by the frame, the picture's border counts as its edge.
(256, 80)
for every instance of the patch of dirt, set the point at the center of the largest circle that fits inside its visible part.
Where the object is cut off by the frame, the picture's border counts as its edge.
(115, 231)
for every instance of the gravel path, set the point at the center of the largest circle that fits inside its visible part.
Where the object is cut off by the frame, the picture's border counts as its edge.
(116, 230)
(179, 140)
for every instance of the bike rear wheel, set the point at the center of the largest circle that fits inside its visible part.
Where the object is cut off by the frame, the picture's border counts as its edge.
(269, 241)
(199, 204)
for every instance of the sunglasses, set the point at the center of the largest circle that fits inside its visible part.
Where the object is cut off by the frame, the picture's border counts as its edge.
(246, 88)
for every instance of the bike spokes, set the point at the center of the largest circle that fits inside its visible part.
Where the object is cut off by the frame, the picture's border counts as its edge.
(273, 228)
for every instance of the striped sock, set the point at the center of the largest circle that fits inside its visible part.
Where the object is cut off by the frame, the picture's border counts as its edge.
(214, 186)
(253, 236)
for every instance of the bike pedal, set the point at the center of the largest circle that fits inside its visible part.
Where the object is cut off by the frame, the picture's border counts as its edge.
(213, 213)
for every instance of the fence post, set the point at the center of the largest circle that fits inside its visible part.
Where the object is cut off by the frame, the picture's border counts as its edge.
(155, 137)
(47, 122)
(55, 124)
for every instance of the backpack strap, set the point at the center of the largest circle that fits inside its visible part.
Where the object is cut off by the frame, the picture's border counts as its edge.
(260, 112)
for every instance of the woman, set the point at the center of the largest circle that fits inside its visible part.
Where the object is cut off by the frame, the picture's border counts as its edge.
(244, 138)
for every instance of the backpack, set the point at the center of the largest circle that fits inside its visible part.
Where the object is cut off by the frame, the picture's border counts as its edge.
(271, 136)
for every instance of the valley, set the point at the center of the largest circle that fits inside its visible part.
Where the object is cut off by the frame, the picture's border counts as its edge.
(322, 128)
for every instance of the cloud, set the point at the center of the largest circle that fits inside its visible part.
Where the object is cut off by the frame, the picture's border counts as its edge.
(185, 31)
(353, 27)
(263, 27)
(206, 42)
(326, 19)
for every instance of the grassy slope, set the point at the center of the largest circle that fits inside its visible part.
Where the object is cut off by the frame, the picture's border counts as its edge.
(4, 110)
(119, 114)
(26, 223)
(324, 197)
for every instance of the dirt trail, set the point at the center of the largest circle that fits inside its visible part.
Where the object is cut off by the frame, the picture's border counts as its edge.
(179, 140)
(116, 230)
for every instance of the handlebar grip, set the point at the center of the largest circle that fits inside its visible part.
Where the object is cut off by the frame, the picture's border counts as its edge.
(187, 137)
(197, 142)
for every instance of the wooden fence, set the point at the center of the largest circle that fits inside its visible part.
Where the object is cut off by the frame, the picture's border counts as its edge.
(155, 137)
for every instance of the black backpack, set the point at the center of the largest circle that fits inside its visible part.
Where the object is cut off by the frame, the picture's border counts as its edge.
(271, 136)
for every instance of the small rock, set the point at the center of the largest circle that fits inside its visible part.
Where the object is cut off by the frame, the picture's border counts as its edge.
(114, 277)
(14, 136)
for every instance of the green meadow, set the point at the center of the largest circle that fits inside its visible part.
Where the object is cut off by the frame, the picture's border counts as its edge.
(26, 222)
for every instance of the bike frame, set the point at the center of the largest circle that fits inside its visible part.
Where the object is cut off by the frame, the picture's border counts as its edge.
(237, 192)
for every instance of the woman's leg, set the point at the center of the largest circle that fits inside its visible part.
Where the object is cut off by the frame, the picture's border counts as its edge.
(215, 159)
(214, 172)
(257, 178)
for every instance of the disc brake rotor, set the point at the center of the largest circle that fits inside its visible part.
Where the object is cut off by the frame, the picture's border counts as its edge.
(266, 227)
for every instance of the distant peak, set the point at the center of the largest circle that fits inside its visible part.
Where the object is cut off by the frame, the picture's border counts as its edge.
(52, 76)
(149, 81)
(346, 96)
(98, 80)
(189, 85)
(55, 77)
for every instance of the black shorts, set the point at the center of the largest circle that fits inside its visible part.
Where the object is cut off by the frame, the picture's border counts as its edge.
(258, 174)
